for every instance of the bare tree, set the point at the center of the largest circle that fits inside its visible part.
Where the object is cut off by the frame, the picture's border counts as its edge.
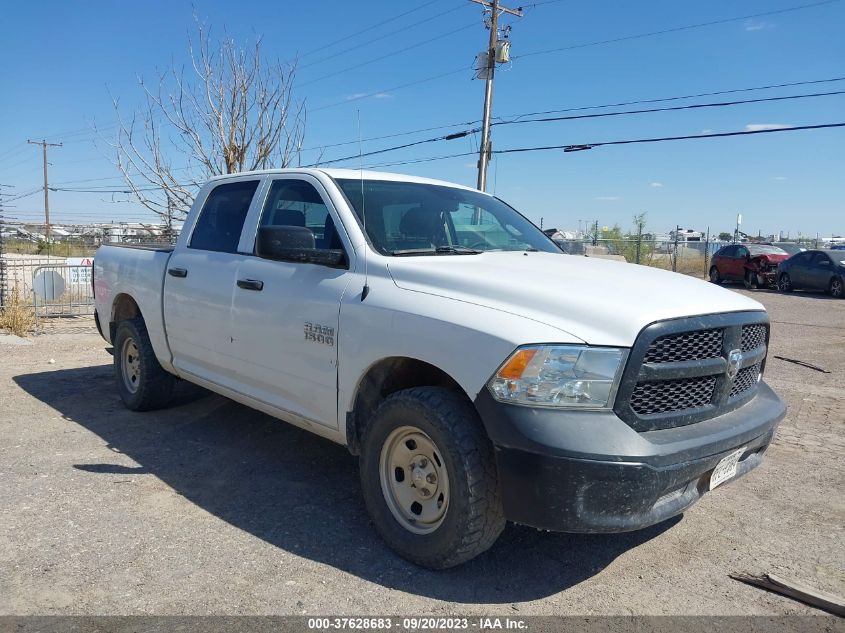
(230, 111)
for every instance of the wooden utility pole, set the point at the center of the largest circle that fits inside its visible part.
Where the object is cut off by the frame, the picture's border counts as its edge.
(44, 145)
(485, 148)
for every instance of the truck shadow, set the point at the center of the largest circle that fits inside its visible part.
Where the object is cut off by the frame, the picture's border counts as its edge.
(301, 493)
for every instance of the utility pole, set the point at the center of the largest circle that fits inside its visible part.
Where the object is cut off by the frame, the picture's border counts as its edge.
(44, 145)
(485, 147)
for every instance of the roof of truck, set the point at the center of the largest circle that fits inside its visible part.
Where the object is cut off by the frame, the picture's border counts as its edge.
(346, 173)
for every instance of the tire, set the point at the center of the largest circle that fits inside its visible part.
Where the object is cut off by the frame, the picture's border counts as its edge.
(714, 276)
(785, 283)
(436, 432)
(750, 280)
(837, 288)
(142, 383)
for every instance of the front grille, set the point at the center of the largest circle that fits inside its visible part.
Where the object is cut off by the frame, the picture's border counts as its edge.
(685, 346)
(678, 371)
(753, 336)
(672, 395)
(745, 379)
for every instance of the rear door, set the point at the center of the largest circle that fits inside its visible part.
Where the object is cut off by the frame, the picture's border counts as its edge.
(286, 314)
(200, 283)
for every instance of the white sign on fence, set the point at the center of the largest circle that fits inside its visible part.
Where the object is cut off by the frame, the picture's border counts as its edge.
(80, 273)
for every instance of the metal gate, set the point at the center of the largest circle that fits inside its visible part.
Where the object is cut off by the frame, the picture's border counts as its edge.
(62, 290)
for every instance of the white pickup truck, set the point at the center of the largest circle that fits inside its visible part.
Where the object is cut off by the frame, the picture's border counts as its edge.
(480, 374)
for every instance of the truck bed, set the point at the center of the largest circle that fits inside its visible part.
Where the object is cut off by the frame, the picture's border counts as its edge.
(137, 271)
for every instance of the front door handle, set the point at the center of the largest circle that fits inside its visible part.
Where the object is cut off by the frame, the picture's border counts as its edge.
(177, 272)
(250, 284)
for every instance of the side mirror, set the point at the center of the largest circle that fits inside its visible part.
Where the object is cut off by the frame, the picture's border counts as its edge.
(295, 244)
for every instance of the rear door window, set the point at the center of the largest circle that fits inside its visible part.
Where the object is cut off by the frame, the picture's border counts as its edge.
(820, 259)
(222, 217)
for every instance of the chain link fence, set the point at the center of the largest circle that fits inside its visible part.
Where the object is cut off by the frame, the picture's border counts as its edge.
(687, 257)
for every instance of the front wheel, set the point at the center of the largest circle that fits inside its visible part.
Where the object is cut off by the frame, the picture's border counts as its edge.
(141, 381)
(429, 478)
(750, 280)
(836, 288)
(784, 283)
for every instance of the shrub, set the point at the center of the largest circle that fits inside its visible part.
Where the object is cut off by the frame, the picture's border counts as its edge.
(17, 316)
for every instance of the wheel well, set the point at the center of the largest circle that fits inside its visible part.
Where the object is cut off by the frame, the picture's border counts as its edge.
(123, 309)
(385, 377)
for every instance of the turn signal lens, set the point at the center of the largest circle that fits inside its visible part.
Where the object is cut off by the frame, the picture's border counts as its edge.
(517, 363)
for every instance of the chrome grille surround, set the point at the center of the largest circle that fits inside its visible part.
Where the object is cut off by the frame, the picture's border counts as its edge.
(676, 374)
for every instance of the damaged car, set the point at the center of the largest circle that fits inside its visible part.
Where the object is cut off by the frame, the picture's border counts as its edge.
(756, 265)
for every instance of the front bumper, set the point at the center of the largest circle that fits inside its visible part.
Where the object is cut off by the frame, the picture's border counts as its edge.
(588, 471)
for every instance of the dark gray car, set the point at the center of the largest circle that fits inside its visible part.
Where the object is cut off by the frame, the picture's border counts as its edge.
(814, 270)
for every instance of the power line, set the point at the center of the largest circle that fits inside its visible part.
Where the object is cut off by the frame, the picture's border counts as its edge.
(576, 109)
(385, 56)
(682, 97)
(464, 133)
(692, 106)
(370, 41)
(446, 137)
(586, 146)
(448, 73)
(573, 147)
(371, 27)
(676, 29)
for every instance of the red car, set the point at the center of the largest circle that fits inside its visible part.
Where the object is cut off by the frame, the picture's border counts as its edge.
(754, 264)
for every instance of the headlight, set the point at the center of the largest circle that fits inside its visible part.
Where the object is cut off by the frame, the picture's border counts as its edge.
(560, 376)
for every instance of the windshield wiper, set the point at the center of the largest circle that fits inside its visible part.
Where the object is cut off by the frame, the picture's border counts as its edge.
(440, 250)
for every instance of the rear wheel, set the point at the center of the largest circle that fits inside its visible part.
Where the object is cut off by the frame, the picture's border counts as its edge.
(784, 283)
(429, 478)
(142, 383)
(714, 275)
(836, 288)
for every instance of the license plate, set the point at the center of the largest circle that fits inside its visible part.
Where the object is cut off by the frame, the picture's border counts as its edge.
(726, 469)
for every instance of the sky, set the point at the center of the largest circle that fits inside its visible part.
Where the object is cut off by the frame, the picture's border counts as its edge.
(62, 62)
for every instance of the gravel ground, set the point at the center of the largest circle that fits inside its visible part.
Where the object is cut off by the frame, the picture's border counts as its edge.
(210, 507)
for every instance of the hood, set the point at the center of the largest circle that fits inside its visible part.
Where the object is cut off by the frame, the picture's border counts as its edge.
(771, 259)
(598, 301)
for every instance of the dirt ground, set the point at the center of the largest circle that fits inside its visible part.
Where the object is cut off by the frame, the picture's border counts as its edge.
(210, 507)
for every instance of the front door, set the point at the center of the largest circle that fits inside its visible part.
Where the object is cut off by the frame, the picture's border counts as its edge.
(738, 263)
(799, 269)
(818, 273)
(286, 314)
(200, 280)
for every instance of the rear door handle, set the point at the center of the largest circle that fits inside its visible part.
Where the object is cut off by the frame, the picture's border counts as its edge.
(177, 272)
(250, 284)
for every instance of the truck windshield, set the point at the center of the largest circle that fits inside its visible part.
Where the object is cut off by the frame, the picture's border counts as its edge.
(409, 218)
